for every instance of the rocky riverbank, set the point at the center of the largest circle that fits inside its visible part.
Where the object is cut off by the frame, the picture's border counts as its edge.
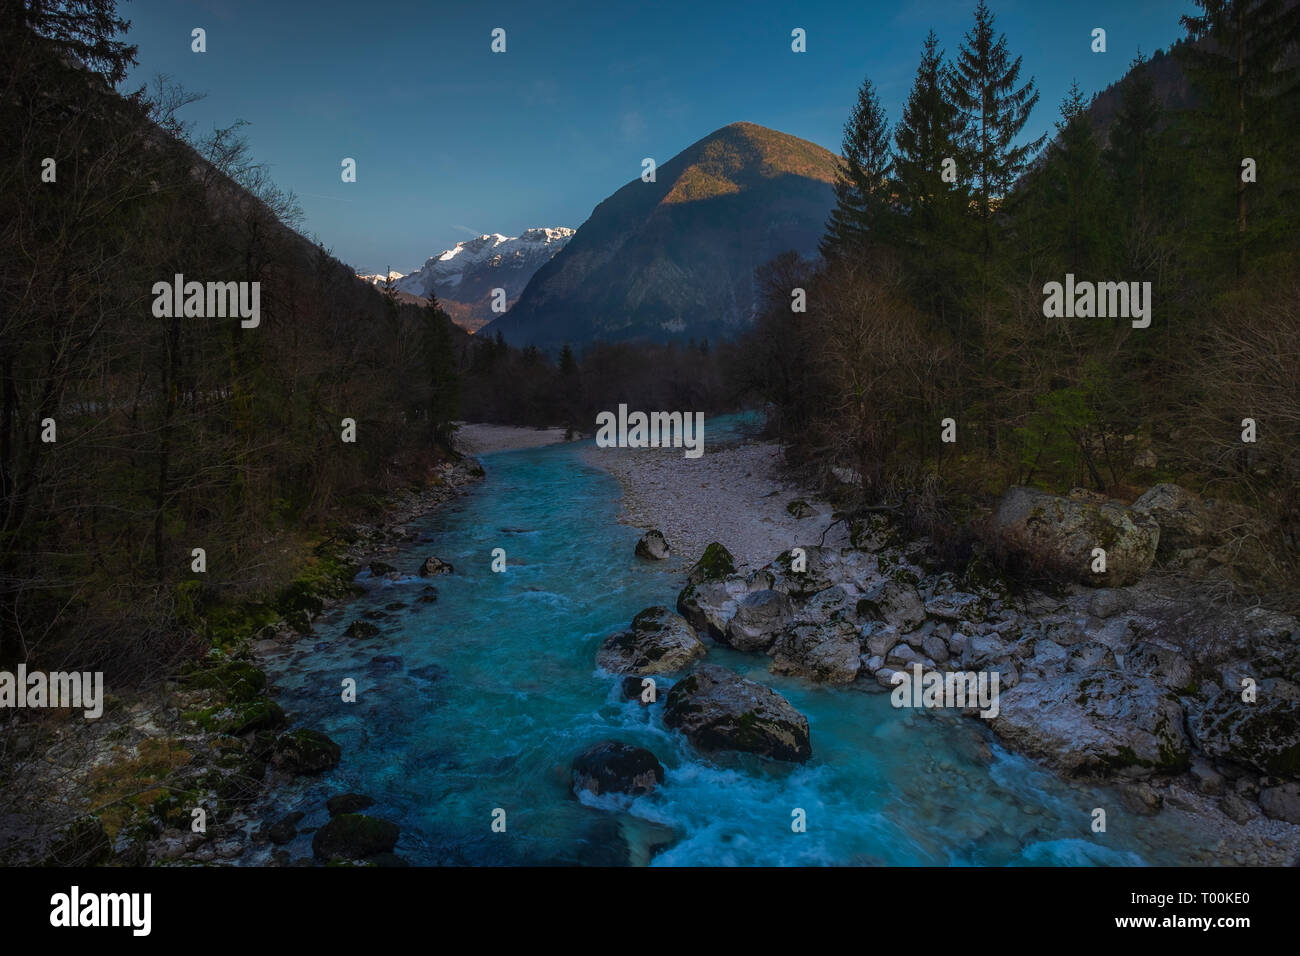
(1190, 708)
(173, 774)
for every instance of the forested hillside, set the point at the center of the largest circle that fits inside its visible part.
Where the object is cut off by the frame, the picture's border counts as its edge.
(128, 440)
(930, 304)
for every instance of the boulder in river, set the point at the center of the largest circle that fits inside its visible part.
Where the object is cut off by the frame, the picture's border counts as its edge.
(306, 751)
(1059, 535)
(432, 565)
(353, 836)
(348, 803)
(614, 767)
(717, 709)
(653, 546)
(658, 642)
(361, 629)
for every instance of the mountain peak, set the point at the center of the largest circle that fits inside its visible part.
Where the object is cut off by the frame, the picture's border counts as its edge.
(741, 155)
(675, 258)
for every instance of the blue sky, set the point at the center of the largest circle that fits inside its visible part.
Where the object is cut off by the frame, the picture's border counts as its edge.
(452, 140)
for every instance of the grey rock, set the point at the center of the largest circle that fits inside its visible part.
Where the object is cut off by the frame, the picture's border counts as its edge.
(1061, 533)
(1098, 723)
(895, 603)
(653, 546)
(758, 618)
(658, 642)
(717, 709)
(1281, 802)
(828, 653)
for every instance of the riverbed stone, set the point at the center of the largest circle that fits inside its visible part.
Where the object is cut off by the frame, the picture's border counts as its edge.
(354, 836)
(653, 546)
(348, 803)
(1264, 734)
(758, 619)
(717, 709)
(1095, 724)
(827, 652)
(658, 642)
(611, 766)
(434, 565)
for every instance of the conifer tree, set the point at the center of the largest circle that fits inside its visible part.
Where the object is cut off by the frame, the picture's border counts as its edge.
(1247, 78)
(984, 88)
(928, 135)
(859, 219)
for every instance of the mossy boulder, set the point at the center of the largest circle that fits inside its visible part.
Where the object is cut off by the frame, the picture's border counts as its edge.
(1057, 536)
(306, 751)
(235, 719)
(1264, 734)
(798, 508)
(236, 680)
(354, 836)
(361, 629)
(658, 642)
(717, 709)
(714, 565)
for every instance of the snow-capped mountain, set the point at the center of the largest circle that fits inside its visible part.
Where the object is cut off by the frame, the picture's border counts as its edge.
(463, 277)
(379, 278)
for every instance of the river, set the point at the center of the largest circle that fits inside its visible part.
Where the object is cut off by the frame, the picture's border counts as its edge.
(479, 701)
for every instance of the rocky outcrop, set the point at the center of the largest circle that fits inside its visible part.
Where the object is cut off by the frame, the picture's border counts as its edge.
(758, 618)
(658, 642)
(1058, 535)
(614, 767)
(828, 652)
(1097, 723)
(1263, 734)
(717, 709)
(894, 603)
(653, 546)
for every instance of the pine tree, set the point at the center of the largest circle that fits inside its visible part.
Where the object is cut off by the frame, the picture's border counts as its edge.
(1076, 187)
(1132, 139)
(87, 30)
(1245, 74)
(928, 134)
(859, 219)
(444, 376)
(995, 110)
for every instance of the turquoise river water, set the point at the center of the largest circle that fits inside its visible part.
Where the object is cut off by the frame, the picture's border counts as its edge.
(481, 700)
